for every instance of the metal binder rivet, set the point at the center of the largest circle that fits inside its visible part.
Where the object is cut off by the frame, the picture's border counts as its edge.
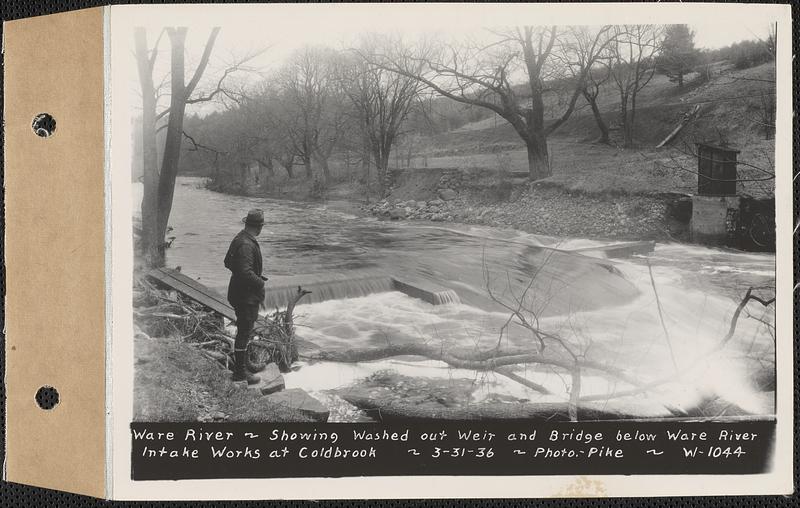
(47, 397)
(44, 125)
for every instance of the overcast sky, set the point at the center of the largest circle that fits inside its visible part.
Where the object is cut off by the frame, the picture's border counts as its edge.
(284, 27)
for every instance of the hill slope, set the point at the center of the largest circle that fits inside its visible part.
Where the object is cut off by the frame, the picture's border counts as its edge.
(731, 110)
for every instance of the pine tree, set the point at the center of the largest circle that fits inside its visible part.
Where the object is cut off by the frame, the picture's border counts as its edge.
(678, 54)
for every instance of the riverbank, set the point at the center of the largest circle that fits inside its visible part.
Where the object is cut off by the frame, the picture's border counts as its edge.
(544, 208)
(489, 198)
(178, 371)
(175, 382)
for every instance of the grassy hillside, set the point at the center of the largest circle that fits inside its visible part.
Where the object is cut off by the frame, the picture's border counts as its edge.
(730, 103)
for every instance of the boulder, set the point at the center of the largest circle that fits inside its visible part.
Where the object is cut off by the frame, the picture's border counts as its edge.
(298, 400)
(447, 194)
(271, 380)
(397, 213)
(272, 385)
(436, 202)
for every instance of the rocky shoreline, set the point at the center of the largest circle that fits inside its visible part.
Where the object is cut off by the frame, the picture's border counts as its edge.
(537, 207)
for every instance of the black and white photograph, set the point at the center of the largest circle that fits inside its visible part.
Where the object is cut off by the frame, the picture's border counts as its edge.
(438, 225)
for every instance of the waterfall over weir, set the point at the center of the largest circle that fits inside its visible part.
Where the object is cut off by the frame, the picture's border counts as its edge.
(326, 289)
(351, 287)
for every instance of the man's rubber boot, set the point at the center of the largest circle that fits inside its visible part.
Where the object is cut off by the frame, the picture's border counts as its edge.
(240, 372)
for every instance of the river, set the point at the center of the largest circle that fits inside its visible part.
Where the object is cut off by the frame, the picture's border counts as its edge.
(608, 309)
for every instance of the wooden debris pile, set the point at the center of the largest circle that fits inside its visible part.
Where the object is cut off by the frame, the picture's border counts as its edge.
(166, 313)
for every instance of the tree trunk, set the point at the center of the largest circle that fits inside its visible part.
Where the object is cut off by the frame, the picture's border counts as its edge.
(598, 118)
(326, 171)
(307, 163)
(172, 144)
(538, 160)
(347, 164)
(289, 167)
(150, 238)
(631, 124)
(382, 167)
(365, 159)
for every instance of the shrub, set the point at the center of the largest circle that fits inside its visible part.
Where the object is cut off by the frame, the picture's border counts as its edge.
(748, 54)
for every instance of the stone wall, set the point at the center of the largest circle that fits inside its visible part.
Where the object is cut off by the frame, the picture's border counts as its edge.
(714, 219)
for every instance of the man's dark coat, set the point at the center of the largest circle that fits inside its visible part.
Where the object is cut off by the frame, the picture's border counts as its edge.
(244, 261)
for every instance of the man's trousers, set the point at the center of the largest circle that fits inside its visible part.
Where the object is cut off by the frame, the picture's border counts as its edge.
(246, 316)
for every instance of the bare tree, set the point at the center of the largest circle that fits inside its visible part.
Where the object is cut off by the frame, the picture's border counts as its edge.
(634, 48)
(586, 53)
(772, 40)
(765, 114)
(159, 183)
(483, 75)
(308, 87)
(274, 123)
(333, 128)
(381, 98)
(591, 91)
(152, 241)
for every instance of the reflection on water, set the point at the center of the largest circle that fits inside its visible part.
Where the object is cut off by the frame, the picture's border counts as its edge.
(608, 308)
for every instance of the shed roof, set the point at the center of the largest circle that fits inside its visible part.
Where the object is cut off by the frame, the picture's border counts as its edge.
(719, 148)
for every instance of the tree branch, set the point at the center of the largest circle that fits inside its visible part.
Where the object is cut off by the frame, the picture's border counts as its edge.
(201, 67)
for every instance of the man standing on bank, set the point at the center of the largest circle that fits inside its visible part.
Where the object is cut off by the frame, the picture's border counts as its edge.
(246, 289)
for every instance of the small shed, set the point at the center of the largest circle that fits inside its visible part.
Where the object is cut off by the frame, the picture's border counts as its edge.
(716, 170)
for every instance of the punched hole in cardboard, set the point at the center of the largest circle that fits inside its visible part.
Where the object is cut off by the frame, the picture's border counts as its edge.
(47, 397)
(44, 125)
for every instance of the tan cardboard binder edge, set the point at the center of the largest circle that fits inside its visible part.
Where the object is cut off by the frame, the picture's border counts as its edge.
(55, 304)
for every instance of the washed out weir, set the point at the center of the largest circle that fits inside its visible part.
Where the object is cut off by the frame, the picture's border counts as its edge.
(595, 290)
(355, 285)
(320, 291)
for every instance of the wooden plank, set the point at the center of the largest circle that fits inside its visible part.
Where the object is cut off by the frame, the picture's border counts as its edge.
(427, 291)
(198, 286)
(619, 250)
(190, 287)
(194, 290)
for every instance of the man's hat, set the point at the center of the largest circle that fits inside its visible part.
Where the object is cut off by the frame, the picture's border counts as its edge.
(254, 217)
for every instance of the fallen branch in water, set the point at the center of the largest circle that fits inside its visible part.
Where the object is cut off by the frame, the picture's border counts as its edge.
(486, 360)
(505, 371)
